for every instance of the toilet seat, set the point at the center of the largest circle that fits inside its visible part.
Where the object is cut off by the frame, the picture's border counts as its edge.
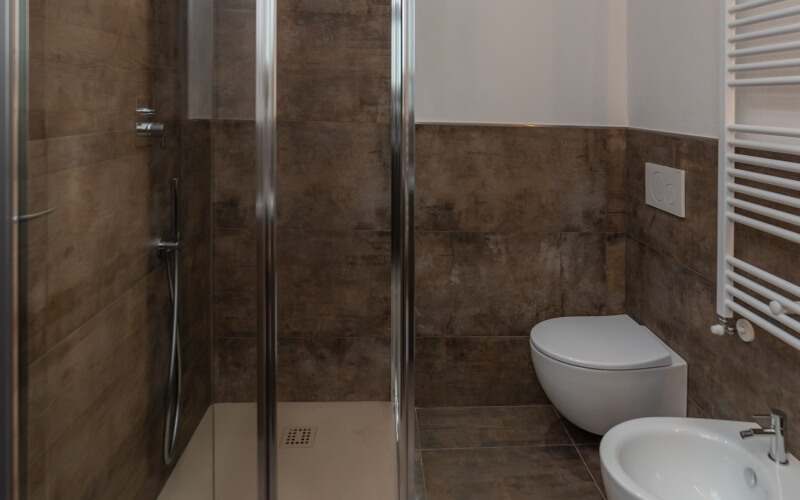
(600, 342)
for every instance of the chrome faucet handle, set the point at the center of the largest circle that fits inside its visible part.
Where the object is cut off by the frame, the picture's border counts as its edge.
(777, 431)
(777, 418)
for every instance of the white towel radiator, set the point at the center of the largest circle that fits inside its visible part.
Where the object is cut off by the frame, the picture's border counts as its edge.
(760, 43)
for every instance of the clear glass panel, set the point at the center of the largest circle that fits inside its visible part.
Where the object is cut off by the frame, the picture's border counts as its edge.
(139, 167)
(97, 294)
(334, 249)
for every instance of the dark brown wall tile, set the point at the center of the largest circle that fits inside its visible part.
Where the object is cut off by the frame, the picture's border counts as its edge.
(335, 60)
(334, 283)
(235, 370)
(196, 174)
(237, 4)
(62, 153)
(695, 238)
(671, 287)
(649, 288)
(334, 176)
(582, 281)
(90, 406)
(515, 226)
(99, 239)
(234, 159)
(196, 278)
(504, 283)
(768, 252)
(334, 369)
(472, 178)
(616, 148)
(234, 64)
(235, 247)
(476, 371)
(235, 312)
(333, 185)
(694, 411)
(98, 302)
(647, 224)
(616, 291)
(486, 283)
(234, 298)
(691, 241)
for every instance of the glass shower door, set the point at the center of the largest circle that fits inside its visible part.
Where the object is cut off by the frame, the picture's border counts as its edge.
(104, 132)
(333, 250)
(141, 138)
(336, 158)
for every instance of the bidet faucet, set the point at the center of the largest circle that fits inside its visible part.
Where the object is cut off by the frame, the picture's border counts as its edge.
(777, 431)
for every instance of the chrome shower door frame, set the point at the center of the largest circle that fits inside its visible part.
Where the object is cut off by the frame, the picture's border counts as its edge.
(402, 258)
(8, 330)
(266, 130)
(403, 341)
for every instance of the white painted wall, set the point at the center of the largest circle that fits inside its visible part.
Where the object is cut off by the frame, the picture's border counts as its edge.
(673, 66)
(647, 64)
(554, 62)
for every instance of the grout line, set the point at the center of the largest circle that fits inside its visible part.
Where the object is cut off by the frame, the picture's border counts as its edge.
(585, 465)
(697, 407)
(497, 447)
(423, 408)
(543, 126)
(516, 232)
(421, 461)
(122, 295)
(602, 493)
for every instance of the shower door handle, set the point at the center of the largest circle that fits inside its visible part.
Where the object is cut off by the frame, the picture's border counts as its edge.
(35, 215)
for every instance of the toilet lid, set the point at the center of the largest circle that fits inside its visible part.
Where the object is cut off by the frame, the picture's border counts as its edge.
(600, 342)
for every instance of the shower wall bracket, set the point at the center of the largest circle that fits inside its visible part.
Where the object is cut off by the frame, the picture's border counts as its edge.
(149, 128)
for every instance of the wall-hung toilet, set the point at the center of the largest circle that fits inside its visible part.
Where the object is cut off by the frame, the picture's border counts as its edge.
(599, 371)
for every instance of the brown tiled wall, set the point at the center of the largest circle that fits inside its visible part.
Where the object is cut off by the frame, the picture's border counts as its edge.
(96, 307)
(671, 278)
(234, 300)
(333, 201)
(515, 225)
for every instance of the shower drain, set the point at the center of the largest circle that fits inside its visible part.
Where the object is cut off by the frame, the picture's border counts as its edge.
(298, 437)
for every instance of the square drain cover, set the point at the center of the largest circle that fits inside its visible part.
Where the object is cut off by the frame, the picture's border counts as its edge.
(298, 437)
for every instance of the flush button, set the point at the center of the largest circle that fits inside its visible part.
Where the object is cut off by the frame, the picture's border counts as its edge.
(670, 196)
(665, 189)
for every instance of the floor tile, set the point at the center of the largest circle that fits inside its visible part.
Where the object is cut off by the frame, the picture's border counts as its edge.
(542, 472)
(490, 426)
(591, 456)
(419, 477)
(578, 435)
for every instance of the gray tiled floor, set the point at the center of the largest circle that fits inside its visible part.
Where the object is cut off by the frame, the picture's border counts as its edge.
(505, 452)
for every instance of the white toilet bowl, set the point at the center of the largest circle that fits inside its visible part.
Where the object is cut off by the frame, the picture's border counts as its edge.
(599, 371)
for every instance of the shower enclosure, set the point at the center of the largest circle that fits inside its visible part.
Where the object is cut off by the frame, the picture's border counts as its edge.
(274, 358)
